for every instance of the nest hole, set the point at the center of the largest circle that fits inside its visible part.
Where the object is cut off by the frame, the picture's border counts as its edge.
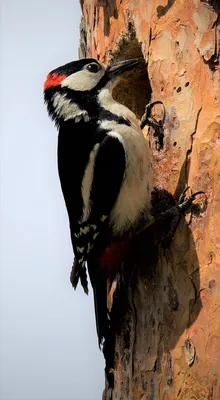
(134, 89)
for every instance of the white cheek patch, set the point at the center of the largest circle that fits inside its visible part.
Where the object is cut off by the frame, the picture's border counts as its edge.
(67, 109)
(82, 80)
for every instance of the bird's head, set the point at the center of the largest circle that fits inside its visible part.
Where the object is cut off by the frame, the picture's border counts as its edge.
(69, 89)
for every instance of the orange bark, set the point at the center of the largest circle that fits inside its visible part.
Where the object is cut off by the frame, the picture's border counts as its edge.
(173, 325)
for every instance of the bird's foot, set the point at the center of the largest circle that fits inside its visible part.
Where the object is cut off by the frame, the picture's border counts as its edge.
(175, 213)
(147, 118)
(185, 202)
(158, 126)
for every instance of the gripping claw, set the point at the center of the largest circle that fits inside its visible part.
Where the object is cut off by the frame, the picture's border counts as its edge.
(175, 213)
(183, 203)
(147, 119)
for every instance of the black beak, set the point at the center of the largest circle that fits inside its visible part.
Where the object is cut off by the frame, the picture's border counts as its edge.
(118, 68)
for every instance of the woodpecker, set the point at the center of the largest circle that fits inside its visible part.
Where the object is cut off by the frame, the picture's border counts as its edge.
(104, 165)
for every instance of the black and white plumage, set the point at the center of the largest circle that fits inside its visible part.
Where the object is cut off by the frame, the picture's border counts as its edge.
(104, 167)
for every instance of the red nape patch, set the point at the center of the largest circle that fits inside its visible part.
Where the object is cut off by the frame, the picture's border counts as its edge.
(113, 256)
(53, 80)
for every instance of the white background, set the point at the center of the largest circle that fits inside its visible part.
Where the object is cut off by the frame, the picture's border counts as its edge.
(48, 340)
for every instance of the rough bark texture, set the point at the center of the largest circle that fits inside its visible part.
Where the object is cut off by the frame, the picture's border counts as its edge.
(169, 343)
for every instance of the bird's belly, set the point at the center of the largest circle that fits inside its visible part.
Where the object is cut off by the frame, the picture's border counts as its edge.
(133, 201)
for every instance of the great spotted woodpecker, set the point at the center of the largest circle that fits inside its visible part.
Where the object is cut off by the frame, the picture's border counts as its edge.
(104, 165)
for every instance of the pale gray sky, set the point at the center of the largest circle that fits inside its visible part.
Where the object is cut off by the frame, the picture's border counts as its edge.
(48, 344)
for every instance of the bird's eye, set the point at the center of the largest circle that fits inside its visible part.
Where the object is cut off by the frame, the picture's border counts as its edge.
(93, 67)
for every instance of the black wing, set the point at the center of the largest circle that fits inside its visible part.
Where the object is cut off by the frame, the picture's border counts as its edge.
(108, 176)
(75, 144)
(74, 148)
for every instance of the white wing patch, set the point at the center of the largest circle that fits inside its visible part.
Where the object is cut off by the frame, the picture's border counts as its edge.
(80, 249)
(87, 183)
(84, 229)
(85, 238)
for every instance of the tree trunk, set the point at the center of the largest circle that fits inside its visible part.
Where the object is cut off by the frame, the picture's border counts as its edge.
(169, 344)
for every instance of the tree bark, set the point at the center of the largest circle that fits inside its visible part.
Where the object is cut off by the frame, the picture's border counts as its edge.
(168, 346)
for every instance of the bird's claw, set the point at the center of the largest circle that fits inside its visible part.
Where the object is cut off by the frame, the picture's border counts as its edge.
(147, 119)
(186, 202)
(182, 196)
(175, 212)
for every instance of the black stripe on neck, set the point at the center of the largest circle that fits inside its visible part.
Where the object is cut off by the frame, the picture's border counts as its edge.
(109, 116)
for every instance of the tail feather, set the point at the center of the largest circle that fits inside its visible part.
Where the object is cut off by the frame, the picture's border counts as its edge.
(99, 283)
(103, 324)
(106, 337)
(101, 311)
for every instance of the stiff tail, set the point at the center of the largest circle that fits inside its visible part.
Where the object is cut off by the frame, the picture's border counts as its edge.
(99, 283)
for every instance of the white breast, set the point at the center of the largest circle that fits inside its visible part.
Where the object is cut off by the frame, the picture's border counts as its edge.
(134, 198)
(135, 194)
